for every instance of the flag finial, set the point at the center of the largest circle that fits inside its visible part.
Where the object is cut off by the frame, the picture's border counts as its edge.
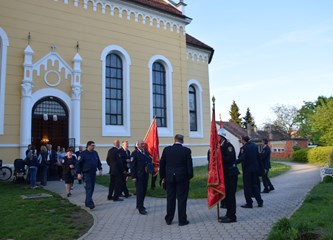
(213, 99)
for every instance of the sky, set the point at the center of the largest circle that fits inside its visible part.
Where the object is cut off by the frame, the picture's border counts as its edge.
(266, 52)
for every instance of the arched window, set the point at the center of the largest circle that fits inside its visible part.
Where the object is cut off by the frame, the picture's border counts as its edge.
(114, 113)
(195, 109)
(159, 95)
(116, 117)
(192, 108)
(4, 43)
(160, 72)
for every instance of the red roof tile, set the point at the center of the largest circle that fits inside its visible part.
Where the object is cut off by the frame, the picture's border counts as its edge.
(159, 5)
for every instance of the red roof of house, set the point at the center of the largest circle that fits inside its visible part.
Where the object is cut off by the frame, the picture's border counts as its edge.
(159, 5)
(190, 40)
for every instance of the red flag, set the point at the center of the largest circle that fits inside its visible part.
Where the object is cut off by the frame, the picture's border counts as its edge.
(151, 146)
(215, 181)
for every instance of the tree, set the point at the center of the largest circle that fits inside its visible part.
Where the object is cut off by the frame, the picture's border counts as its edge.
(248, 119)
(234, 113)
(305, 119)
(286, 118)
(323, 121)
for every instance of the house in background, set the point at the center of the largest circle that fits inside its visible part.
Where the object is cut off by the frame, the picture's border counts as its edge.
(78, 70)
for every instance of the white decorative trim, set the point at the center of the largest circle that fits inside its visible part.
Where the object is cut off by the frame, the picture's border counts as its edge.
(196, 54)
(163, 131)
(125, 129)
(28, 98)
(131, 10)
(199, 133)
(4, 43)
(47, 81)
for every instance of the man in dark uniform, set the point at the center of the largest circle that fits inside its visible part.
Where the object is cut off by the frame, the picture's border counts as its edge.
(249, 157)
(87, 165)
(139, 172)
(176, 170)
(125, 158)
(266, 160)
(116, 172)
(230, 176)
(52, 161)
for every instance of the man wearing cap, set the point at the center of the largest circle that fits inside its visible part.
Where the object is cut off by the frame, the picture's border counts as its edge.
(230, 176)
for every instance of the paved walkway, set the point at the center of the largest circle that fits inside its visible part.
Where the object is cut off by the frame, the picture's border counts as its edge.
(120, 220)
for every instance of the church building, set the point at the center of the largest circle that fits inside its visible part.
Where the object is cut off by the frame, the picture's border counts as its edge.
(78, 70)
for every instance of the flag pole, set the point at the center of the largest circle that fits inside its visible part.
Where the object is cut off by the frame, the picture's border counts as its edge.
(151, 124)
(218, 204)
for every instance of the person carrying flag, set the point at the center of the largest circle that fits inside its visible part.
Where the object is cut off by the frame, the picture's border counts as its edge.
(230, 176)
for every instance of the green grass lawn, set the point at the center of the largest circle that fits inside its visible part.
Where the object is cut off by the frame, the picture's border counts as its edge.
(198, 185)
(48, 218)
(313, 220)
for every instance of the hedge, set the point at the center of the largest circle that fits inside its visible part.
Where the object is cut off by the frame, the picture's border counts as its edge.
(301, 155)
(317, 155)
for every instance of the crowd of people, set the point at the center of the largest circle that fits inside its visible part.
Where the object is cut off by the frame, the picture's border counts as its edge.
(175, 170)
(255, 163)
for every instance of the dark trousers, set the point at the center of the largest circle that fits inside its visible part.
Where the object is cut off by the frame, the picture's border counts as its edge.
(43, 173)
(230, 199)
(177, 190)
(266, 181)
(124, 185)
(141, 190)
(251, 187)
(153, 182)
(115, 186)
(89, 184)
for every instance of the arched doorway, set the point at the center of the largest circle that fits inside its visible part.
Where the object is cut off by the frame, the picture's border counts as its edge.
(50, 123)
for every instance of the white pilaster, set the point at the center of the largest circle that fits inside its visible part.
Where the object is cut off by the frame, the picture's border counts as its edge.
(76, 98)
(26, 90)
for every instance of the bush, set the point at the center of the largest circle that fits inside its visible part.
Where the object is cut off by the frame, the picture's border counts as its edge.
(301, 155)
(321, 155)
(296, 148)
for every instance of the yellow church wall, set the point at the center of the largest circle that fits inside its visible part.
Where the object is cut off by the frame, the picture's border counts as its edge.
(53, 22)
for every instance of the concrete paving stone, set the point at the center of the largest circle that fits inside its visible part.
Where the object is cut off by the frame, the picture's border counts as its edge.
(120, 220)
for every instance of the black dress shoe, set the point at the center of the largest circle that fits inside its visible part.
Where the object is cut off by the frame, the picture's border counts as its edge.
(265, 191)
(118, 199)
(246, 206)
(227, 220)
(184, 223)
(128, 195)
(168, 222)
(110, 198)
(261, 204)
(143, 212)
(271, 189)
(91, 207)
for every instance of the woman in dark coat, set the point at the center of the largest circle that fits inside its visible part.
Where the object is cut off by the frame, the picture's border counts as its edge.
(68, 163)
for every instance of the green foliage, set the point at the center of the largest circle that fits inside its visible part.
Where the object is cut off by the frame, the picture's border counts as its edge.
(320, 155)
(234, 113)
(301, 155)
(45, 218)
(317, 155)
(323, 121)
(296, 148)
(248, 119)
(313, 220)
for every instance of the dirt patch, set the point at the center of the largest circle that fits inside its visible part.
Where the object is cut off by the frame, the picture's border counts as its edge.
(82, 220)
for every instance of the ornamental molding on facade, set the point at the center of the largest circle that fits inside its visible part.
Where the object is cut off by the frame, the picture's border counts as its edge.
(197, 55)
(131, 11)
